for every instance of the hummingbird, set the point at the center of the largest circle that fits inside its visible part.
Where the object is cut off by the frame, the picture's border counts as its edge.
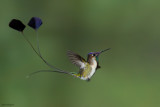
(86, 68)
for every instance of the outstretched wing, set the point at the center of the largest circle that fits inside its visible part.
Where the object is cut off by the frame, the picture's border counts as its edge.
(76, 59)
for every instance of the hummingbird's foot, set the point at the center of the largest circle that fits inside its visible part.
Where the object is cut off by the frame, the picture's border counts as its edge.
(88, 79)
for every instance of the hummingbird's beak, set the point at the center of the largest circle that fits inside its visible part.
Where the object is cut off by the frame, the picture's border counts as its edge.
(104, 50)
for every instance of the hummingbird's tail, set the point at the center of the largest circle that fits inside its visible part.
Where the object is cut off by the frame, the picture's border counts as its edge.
(64, 72)
(39, 53)
(48, 64)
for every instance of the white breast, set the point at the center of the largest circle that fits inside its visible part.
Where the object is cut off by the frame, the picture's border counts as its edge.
(93, 66)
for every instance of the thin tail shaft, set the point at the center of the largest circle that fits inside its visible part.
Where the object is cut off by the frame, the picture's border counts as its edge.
(39, 53)
(64, 72)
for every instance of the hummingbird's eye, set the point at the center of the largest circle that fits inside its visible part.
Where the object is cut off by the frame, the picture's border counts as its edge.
(93, 54)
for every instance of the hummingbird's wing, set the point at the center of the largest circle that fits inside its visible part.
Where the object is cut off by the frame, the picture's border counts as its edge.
(76, 59)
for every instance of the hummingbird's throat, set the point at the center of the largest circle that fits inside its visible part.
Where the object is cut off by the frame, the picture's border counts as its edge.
(97, 58)
(93, 61)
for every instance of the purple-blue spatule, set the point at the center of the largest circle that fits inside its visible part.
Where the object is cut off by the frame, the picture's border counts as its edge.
(35, 22)
(17, 25)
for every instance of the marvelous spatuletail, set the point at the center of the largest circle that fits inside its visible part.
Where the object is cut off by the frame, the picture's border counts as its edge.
(87, 67)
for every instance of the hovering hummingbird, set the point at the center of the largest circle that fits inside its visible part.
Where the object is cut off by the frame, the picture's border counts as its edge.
(87, 68)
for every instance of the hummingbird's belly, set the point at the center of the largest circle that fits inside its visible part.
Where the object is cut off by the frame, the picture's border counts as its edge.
(87, 74)
(92, 72)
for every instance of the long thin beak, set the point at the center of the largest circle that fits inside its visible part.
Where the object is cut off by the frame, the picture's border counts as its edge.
(104, 50)
(98, 53)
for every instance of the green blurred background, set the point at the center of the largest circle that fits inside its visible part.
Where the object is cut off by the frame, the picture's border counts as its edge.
(129, 74)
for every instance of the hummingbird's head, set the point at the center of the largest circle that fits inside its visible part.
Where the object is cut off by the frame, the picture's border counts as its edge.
(93, 55)
(96, 54)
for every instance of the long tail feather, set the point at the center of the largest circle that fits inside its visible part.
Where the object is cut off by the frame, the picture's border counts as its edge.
(51, 66)
(38, 43)
(64, 72)
(39, 54)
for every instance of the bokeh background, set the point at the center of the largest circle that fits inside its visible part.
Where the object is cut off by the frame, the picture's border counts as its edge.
(130, 71)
